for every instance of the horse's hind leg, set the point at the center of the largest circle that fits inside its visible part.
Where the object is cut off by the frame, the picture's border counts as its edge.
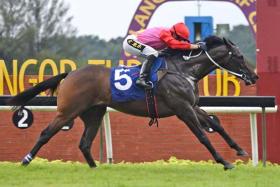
(59, 121)
(92, 119)
(204, 118)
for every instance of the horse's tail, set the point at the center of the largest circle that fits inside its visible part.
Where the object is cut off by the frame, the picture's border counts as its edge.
(22, 98)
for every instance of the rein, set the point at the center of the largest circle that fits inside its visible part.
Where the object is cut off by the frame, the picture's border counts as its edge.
(190, 79)
(190, 57)
(219, 66)
(213, 61)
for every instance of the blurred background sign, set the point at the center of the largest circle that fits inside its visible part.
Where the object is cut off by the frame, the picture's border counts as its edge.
(200, 27)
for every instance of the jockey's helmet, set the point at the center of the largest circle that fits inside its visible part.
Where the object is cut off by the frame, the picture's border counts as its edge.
(181, 31)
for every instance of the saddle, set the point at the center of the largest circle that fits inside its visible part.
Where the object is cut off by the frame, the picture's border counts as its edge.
(124, 89)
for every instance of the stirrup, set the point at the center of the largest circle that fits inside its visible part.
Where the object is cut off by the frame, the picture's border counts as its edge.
(150, 83)
(145, 84)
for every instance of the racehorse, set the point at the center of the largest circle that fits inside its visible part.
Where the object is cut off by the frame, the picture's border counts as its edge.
(86, 93)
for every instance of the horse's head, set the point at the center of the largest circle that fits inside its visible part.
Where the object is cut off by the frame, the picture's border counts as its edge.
(235, 62)
(221, 52)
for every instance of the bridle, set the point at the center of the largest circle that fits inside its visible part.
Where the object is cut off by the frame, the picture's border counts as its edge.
(191, 79)
(219, 66)
(215, 63)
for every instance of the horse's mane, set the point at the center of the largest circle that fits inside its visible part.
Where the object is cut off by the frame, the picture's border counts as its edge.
(213, 41)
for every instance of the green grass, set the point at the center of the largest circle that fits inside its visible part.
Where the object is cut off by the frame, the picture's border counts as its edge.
(169, 173)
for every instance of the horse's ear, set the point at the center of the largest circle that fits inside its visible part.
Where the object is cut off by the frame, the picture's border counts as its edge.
(231, 42)
(227, 42)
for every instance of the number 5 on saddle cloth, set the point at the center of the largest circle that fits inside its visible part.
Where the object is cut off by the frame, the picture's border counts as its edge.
(123, 87)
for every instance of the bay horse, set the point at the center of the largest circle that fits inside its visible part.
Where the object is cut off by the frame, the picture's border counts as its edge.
(86, 93)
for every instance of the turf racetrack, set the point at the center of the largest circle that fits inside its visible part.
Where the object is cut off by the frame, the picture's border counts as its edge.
(169, 173)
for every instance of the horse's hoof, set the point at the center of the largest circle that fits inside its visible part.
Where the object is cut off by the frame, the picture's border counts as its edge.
(242, 153)
(93, 166)
(228, 166)
(24, 162)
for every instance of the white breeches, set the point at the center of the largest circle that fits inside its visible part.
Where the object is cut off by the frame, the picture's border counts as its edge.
(134, 47)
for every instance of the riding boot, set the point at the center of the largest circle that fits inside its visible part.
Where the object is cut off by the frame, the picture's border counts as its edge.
(143, 79)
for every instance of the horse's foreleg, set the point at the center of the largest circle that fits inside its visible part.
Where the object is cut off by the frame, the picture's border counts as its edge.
(204, 118)
(45, 136)
(92, 119)
(186, 113)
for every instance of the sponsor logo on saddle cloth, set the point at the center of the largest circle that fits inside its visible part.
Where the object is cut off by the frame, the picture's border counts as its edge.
(123, 78)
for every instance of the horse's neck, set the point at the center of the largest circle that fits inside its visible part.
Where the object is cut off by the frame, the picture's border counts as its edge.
(198, 67)
(202, 66)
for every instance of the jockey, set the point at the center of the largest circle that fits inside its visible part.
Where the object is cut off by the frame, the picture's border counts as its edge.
(147, 43)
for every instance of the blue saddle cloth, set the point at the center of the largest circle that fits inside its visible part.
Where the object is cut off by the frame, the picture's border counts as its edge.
(123, 78)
